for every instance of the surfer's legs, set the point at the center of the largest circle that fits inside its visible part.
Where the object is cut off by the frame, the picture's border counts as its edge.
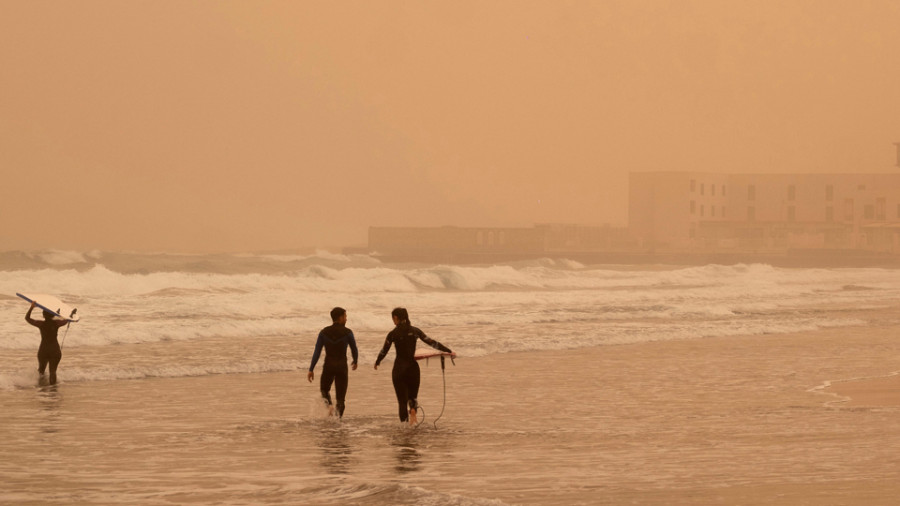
(340, 390)
(400, 388)
(43, 359)
(54, 363)
(406, 386)
(325, 384)
(51, 357)
(413, 378)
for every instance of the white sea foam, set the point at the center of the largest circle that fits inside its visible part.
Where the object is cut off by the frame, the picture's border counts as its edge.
(538, 300)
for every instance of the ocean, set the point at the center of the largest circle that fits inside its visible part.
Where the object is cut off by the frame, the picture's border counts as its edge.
(184, 381)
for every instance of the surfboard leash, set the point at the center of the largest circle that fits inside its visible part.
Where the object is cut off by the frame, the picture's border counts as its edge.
(69, 322)
(64, 336)
(444, 403)
(419, 408)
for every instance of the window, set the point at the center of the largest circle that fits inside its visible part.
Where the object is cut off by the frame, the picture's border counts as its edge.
(693, 207)
(751, 213)
(693, 185)
(829, 214)
(712, 188)
(701, 210)
(869, 212)
(792, 192)
(791, 213)
(848, 209)
(702, 187)
(712, 211)
(829, 193)
(751, 192)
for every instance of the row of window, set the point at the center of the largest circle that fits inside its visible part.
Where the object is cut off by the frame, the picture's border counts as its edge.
(791, 192)
(480, 236)
(712, 210)
(712, 188)
(870, 211)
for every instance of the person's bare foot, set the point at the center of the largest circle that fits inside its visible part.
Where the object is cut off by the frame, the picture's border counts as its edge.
(412, 417)
(330, 410)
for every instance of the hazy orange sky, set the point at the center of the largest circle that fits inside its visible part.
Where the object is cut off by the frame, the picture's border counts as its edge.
(246, 126)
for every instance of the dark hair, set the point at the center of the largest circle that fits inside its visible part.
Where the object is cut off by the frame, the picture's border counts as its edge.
(401, 314)
(48, 315)
(337, 313)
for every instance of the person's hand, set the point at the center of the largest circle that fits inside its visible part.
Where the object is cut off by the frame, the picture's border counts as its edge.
(376, 367)
(33, 303)
(310, 375)
(353, 366)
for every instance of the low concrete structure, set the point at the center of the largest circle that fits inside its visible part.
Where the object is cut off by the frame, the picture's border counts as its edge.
(493, 243)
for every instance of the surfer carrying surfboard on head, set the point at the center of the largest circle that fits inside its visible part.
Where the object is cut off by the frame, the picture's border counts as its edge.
(335, 339)
(405, 374)
(49, 352)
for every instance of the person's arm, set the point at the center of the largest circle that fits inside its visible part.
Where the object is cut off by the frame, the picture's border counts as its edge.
(434, 344)
(353, 350)
(319, 343)
(28, 317)
(384, 350)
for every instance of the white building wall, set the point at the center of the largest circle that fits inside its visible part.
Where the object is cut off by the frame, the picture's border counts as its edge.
(668, 207)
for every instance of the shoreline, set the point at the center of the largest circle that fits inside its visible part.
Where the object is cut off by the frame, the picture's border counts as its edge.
(818, 259)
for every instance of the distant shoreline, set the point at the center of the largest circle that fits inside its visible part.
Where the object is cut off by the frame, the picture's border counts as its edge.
(800, 259)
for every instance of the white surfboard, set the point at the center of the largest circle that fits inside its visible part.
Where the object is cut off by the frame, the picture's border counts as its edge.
(431, 352)
(52, 304)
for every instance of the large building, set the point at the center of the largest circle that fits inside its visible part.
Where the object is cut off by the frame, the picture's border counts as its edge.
(689, 211)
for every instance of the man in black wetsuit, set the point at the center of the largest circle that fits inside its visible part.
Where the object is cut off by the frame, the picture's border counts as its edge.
(49, 351)
(335, 340)
(405, 374)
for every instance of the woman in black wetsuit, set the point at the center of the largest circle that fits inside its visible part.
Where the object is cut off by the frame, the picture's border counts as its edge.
(405, 374)
(49, 351)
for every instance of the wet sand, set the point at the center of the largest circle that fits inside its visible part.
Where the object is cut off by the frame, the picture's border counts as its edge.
(871, 392)
(738, 420)
(744, 420)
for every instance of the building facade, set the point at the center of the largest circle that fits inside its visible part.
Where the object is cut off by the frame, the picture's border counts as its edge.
(700, 210)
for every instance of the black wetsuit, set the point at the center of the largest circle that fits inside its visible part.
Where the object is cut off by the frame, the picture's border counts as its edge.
(406, 370)
(335, 340)
(49, 352)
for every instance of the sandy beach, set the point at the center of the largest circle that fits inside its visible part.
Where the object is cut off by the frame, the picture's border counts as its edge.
(736, 420)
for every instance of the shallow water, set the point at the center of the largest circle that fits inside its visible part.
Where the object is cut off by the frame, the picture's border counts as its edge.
(575, 384)
(606, 425)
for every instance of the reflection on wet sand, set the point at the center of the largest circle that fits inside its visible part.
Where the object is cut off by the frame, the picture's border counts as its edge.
(336, 450)
(50, 399)
(406, 450)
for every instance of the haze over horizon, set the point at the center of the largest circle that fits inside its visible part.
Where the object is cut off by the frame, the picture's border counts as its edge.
(236, 126)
